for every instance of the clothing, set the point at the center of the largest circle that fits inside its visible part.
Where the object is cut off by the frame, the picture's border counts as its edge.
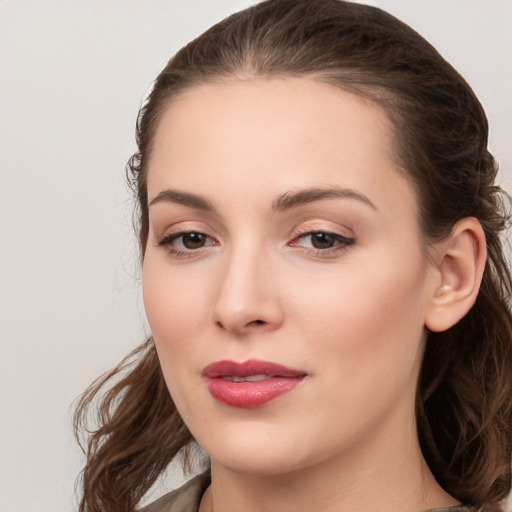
(184, 499)
(188, 497)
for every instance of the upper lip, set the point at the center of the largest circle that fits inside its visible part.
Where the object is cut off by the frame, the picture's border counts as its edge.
(227, 368)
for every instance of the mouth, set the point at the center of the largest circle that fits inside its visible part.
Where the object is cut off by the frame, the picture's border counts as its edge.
(250, 384)
(249, 378)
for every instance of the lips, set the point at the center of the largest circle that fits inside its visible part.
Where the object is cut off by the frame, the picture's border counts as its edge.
(251, 384)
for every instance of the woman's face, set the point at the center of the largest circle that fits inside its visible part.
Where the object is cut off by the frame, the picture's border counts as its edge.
(284, 278)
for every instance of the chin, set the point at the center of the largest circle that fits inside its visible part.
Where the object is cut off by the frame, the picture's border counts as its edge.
(249, 450)
(263, 463)
(259, 453)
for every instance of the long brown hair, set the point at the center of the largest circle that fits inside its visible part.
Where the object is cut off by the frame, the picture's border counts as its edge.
(464, 398)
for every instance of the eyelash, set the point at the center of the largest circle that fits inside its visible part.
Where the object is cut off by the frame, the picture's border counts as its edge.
(342, 243)
(167, 240)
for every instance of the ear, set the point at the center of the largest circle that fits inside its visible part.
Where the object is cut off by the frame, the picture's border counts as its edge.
(458, 264)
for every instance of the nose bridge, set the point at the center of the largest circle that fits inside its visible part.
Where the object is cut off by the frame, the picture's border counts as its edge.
(245, 297)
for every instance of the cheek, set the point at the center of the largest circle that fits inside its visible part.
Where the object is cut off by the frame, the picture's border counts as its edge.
(369, 322)
(172, 308)
(172, 298)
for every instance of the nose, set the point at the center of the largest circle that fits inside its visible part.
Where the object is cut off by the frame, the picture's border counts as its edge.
(247, 298)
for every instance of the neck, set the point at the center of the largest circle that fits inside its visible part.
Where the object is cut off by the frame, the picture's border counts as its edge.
(393, 479)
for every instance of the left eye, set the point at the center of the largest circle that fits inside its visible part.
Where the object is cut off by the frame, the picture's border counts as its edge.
(185, 241)
(322, 240)
(192, 240)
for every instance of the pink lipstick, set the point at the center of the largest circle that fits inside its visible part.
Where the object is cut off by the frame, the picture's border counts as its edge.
(250, 384)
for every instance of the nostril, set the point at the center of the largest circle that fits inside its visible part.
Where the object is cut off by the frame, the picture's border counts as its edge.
(236, 328)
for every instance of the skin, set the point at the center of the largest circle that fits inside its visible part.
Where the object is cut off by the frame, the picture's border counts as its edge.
(351, 316)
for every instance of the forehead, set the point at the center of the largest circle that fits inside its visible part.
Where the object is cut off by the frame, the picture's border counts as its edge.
(300, 110)
(273, 134)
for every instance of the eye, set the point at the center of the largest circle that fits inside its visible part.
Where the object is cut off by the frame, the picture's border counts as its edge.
(192, 240)
(185, 242)
(322, 241)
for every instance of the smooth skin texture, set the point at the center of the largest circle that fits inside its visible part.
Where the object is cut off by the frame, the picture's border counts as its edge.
(282, 230)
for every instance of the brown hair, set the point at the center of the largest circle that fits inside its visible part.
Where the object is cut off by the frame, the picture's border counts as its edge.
(464, 399)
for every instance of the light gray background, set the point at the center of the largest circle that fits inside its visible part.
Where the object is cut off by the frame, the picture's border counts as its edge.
(72, 77)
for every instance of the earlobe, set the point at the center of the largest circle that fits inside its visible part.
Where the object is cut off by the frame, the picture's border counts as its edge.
(459, 263)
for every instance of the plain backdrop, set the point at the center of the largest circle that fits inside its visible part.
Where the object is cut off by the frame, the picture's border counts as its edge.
(73, 75)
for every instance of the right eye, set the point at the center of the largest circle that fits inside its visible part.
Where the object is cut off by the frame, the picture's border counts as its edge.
(185, 242)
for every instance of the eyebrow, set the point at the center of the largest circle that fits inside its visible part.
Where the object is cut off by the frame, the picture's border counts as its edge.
(286, 201)
(183, 198)
(301, 197)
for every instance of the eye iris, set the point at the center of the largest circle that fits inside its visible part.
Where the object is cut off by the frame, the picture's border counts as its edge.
(194, 240)
(322, 240)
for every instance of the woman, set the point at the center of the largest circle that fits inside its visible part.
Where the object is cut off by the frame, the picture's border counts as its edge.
(322, 274)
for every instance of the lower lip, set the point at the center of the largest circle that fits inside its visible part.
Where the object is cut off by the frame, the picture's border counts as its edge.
(250, 395)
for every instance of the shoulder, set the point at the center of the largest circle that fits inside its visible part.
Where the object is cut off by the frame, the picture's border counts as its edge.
(184, 499)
